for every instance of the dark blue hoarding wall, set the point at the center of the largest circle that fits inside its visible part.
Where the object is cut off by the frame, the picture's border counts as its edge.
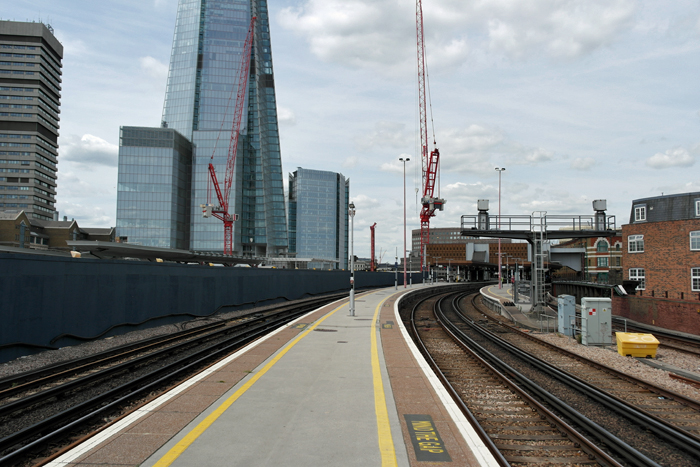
(44, 297)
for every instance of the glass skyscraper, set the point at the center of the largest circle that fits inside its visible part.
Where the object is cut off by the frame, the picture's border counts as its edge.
(153, 199)
(199, 103)
(318, 217)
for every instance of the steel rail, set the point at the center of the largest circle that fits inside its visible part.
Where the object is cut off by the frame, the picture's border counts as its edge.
(586, 445)
(30, 379)
(674, 435)
(132, 389)
(15, 384)
(620, 447)
(633, 379)
(485, 438)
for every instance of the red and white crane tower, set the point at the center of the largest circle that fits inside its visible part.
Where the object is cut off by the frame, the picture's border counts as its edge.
(373, 260)
(430, 161)
(221, 211)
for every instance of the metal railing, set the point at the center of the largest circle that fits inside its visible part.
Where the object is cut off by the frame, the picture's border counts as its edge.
(530, 223)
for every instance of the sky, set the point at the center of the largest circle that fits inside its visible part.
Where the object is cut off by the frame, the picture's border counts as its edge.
(578, 100)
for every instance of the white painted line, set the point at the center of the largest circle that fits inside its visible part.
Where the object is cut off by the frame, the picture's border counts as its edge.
(471, 437)
(130, 419)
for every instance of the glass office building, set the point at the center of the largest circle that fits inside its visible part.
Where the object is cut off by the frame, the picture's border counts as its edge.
(318, 217)
(199, 103)
(30, 106)
(153, 197)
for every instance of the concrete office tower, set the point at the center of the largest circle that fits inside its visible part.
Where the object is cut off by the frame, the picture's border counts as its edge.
(318, 217)
(153, 199)
(199, 103)
(30, 100)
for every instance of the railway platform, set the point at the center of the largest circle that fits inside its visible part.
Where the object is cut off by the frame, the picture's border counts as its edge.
(327, 389)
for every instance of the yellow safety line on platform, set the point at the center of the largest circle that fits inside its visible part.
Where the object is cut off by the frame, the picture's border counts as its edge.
(386, 442)
(192, 436)
(509, 291)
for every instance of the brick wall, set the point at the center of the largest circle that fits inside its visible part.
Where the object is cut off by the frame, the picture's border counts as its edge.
(679, 315)
(666, 259)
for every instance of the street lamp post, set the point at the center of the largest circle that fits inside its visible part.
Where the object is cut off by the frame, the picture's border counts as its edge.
(499, 169)
(404, 160)
(351, 211)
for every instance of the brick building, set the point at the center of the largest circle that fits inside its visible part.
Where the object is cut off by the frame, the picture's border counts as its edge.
(595, 259)
(18, 230)
(661, 250)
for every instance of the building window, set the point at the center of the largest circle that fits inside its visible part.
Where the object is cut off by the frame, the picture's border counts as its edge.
(602, 246)
(603, 262)
(635, 244)
(695, 279)
(637, 274)
(695, 240)
(697, 208)
(640, 213)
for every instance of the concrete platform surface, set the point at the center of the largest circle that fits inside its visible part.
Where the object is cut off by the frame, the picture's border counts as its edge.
(328, 389)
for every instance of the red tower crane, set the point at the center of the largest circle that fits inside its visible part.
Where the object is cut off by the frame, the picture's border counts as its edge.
(372, 261)
(430, 161)
(221, 211)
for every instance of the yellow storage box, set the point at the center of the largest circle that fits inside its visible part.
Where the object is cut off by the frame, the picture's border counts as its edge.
(636, 345)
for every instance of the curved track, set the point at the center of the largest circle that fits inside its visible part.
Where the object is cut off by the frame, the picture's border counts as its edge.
(634, 422)
(517, 428)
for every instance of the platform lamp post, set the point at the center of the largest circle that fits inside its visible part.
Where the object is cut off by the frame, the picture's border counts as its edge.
(351, 211)
(499, 169)
(404, 160)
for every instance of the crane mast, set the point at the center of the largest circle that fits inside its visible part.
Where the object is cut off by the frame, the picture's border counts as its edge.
(430, 161)
(221, 211)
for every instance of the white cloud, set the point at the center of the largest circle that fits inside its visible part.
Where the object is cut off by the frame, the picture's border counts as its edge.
(397, 166)
(380, 34)
(561, 29)
(582, 163)
(350, 162)
(154, 68)
(285, 116)
(677, 157)
(538, 155)
(386, 134)
(89, 150)
(86, 215)
(478, 149)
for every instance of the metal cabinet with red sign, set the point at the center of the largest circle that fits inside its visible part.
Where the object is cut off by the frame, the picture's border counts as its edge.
(596, 321)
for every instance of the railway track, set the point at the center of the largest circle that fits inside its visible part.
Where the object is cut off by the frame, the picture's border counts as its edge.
(43, 408)
(516, 427)
(654, 427)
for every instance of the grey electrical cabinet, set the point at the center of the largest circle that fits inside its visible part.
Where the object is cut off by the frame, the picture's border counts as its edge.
(567, 314)
(596, 321)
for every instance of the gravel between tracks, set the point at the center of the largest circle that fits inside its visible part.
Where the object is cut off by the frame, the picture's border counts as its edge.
(611, 358)
(50, 357)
